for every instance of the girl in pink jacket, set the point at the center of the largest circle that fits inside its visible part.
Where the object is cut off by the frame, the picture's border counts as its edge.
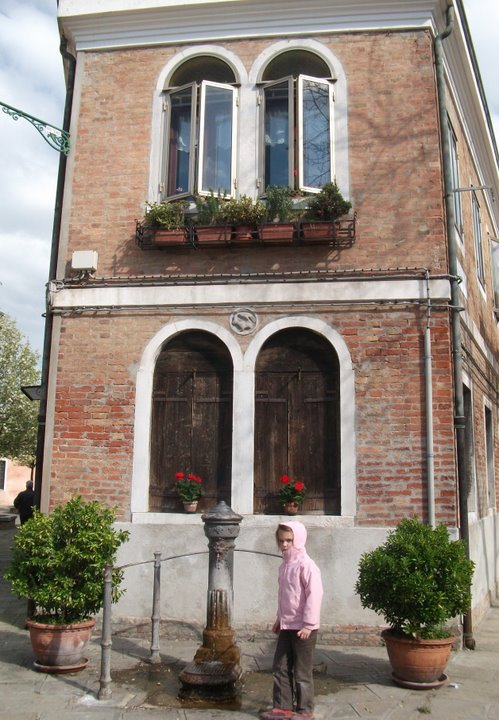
(298, 618)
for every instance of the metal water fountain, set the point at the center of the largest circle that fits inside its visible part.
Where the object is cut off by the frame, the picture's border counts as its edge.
(216, 668)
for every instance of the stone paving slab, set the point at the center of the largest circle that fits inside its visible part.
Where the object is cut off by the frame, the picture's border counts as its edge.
(359, 678)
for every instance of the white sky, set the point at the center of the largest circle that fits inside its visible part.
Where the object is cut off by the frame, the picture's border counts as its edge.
(31, 79)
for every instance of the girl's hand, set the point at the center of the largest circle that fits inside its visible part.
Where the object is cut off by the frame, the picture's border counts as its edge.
(304, 634)
(276, 627)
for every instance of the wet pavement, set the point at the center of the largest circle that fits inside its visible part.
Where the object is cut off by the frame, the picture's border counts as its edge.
(350, 682)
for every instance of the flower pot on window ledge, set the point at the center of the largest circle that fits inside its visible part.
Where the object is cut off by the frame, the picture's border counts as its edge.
(277, 233)
(191, 507)
(214, 235)
(291, 508)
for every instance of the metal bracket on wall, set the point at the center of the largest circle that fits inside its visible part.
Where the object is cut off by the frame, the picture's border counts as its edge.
(55, 137)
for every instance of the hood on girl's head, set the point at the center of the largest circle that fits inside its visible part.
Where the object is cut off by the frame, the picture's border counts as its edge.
(299, 533)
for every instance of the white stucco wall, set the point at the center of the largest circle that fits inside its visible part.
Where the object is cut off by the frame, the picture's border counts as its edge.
(334, 543)
(331, 543)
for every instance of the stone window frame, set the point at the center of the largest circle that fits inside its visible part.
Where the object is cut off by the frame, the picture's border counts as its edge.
(244, 365)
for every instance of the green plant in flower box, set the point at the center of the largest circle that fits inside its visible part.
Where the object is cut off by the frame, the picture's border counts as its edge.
(291, 490)
(188, 487)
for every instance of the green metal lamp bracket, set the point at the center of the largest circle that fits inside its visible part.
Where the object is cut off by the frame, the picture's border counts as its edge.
(54, 136)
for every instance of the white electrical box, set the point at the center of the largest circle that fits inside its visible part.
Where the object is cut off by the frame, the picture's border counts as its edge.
(84, 260)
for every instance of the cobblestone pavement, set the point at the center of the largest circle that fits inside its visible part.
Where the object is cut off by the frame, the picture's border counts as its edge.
(351, 682)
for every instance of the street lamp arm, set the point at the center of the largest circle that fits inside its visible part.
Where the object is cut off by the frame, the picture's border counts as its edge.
(55, 137)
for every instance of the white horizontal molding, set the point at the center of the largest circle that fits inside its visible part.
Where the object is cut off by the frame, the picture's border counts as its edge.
(103, 24)
(65, 298)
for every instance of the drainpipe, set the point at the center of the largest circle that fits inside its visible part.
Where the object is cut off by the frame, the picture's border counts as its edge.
(428, 373)
(459, 416)
(54, 256)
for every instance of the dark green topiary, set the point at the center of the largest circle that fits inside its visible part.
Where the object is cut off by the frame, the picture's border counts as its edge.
(328, 204)
(418, 579)
(58, 560)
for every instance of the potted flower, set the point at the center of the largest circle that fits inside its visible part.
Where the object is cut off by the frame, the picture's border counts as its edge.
(278, 228)
(189, 489)
(291, 494)
(58, 563)
(244, 215)
(324, 208)
(419, 580)
(164, 224)
(210, 224)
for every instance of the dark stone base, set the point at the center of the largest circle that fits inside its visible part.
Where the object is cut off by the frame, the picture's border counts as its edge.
(209, 680)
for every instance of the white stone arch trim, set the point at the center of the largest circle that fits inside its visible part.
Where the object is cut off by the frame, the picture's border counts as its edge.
(341, 163)
(165, 74)
(143, 399)
(347, 407)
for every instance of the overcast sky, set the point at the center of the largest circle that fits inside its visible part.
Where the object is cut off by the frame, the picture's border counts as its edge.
(31, 79)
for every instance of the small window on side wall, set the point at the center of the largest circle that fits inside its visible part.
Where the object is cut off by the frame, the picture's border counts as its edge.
(297, 123)
(200, 131)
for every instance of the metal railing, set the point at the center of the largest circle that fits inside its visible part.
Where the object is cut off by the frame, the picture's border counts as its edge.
(105, 691)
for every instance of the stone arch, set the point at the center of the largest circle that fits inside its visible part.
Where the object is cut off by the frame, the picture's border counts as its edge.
(143, 401)
(347, 398)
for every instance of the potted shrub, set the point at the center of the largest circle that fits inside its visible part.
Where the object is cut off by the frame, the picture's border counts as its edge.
(419, 580)
(210, 226)
(278, 228)
(189, 489)
(291, 494)
(58, 563)
(165, 222)
(244, 215)
(318, 224)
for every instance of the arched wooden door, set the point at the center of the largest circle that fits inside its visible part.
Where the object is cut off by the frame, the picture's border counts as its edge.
(297, 421)
(191, 428)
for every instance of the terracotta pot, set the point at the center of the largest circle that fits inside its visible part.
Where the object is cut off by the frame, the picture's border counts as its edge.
(244, 234)
(277, 233)
(291, 508)
(319, 231)
(211, 235)
(417, 662)
(60, 648)
(164, 238)
(191, 507)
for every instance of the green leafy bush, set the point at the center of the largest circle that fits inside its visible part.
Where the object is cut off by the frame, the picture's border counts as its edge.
(58, 560)
(244, 211)
(279, 203)
(210, 209)
(167, 215)
(328, 204)
(418, 579)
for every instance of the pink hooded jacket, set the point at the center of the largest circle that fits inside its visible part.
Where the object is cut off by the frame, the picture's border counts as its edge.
(300, 585)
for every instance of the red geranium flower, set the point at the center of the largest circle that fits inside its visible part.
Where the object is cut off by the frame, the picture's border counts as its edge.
(291, 491)
(188, 486)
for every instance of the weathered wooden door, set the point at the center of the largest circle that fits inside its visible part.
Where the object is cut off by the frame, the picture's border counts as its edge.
(191, 428)
(297, 421)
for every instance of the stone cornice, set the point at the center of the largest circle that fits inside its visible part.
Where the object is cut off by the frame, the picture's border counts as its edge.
(97, 24)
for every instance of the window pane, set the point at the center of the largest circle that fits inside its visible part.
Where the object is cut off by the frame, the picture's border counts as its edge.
(179, 151)
(316, 134)
(217, 140)
(277, 135)
(477, 234)
(455, 179)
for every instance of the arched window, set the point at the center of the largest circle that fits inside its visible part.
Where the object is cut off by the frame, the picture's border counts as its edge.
(297, 121)
(297, 420)
(191, 424)
(200, 129)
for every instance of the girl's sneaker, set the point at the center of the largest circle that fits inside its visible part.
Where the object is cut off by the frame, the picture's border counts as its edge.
(276, 714)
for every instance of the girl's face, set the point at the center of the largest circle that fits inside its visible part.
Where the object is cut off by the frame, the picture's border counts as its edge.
(284, 539)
